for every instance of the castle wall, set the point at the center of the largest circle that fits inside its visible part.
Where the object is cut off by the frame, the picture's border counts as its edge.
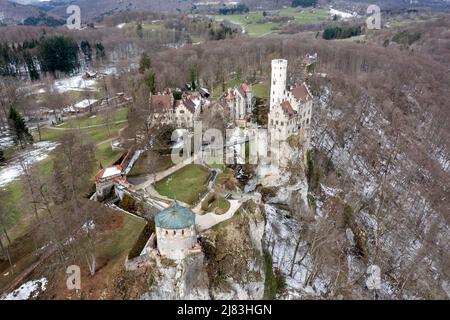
(174, 244)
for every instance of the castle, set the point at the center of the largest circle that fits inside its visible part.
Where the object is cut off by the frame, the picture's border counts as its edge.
(290, 110)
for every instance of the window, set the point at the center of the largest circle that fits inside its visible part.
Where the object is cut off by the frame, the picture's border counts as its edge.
(182, 232)
(174, 232)
(167, 232)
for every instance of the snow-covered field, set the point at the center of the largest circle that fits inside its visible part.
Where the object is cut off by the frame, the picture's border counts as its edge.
(30, 289)
(341, 14)
(77, 83)
(38, 152)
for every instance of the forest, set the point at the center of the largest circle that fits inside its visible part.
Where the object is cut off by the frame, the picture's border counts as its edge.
(53, 54)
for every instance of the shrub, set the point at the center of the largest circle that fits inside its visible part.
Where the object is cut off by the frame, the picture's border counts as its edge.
(303, 3)
(406, 37)
(210, 198)
(341, 32)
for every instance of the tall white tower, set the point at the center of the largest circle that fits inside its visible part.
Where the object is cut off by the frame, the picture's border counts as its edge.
(278, 84)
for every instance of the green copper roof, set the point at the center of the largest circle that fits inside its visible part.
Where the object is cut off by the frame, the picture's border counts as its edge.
(176, 217)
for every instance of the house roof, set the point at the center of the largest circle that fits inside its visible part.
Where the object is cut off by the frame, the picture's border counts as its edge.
(160, 103)
(83, 104)
(175, 217)
(246, 87)
(287, 108)
(230, 95)
(109, 172)
(301, 93)
(188, 103)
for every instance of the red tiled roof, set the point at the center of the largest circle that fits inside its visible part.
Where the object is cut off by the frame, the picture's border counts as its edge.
(101, 173)
(301, 93)
(188, 103)
(230, 95)
(287, 108)
(246, 87)
(160, 103)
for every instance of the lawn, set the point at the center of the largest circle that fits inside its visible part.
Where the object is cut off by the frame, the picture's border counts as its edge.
(157, 25)
(97, 134)
(261, 90)
(186, 184)
(105, 155)
(158, 163)
(98, 119)
(217, 90)
(20, 214)
(251, 22)
(219, 206)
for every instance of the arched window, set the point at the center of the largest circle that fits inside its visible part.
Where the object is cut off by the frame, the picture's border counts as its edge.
(167, 232)
(174, 232)
(182, 232)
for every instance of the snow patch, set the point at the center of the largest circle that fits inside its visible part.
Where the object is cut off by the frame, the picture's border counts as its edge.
(30, 289)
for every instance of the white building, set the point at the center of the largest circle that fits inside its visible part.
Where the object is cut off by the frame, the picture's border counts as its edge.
(175, 232)
(105, 180)
(290, 110)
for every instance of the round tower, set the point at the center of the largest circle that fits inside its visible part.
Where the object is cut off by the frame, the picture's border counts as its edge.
(175, 232)
(278, 84)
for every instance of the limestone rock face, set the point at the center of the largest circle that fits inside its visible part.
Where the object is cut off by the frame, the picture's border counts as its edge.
(175, 280)
(231, 267)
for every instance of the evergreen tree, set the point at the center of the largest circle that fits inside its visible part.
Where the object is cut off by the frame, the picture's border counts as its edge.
(139, 30)
(304, 3)
(58, 54)
(31, 66)
(150, 82)
(144, 63)
(18, 128)
(99, 51)
(87, 50)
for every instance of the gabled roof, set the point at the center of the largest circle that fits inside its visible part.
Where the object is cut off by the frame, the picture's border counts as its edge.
(230, 95)
(246, 87)
(83, 104)
(175, 217)
(160, 103)
(301, 93)
(109, 172)
(188, 103)
(287, 108)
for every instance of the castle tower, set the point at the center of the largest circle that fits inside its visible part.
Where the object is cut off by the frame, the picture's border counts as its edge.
(175, 232)
(278, 84)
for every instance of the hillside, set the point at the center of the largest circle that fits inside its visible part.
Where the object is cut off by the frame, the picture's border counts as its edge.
(13, 13)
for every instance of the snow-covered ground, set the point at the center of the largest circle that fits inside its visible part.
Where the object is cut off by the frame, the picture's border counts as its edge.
(341, 14)
(38, 152)
(30, 289)
(77, 83)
